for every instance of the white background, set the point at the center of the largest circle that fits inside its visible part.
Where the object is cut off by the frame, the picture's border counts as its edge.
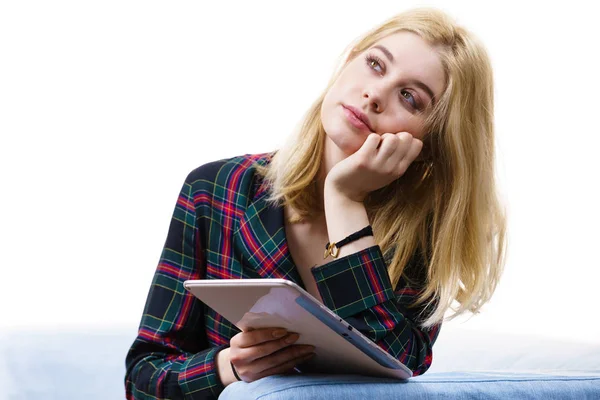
(106, 106)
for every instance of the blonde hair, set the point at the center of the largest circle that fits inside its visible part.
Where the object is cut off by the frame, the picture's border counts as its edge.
(444, 208)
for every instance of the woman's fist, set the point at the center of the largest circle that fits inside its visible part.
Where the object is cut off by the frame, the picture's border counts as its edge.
(379, 161)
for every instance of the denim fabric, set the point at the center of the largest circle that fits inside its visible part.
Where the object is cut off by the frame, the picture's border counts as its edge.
(36, 364)
(448, 385)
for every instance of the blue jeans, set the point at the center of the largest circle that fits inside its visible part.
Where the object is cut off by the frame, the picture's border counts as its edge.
(449, 385)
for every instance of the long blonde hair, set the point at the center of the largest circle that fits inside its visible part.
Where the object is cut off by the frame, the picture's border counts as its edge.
(445, 207)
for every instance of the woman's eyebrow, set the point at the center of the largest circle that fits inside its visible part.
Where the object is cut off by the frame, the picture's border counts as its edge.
(414, 82)
(385, 51)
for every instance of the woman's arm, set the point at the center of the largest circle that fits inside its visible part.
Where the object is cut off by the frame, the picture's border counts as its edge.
(171, 357)
(357, 287)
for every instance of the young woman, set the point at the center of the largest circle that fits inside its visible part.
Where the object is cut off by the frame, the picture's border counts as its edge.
(401, 141)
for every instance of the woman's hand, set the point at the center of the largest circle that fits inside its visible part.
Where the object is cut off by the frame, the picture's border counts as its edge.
(374, 166)
(268, 351)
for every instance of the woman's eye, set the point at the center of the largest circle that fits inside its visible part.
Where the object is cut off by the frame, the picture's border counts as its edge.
(377, 65)
(411, 99)
(374, 63)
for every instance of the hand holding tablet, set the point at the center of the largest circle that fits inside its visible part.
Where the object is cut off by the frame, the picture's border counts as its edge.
(253, 304)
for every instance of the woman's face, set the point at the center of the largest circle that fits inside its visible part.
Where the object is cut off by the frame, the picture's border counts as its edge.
(394, 83)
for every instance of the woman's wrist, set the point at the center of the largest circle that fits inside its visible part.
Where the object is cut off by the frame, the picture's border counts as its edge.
(224, 367)
(345, 216)
(333, 189)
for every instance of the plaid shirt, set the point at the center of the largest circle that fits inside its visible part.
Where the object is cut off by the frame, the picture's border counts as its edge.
(222, 228)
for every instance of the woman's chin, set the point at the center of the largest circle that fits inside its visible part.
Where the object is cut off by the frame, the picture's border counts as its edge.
(343, 142)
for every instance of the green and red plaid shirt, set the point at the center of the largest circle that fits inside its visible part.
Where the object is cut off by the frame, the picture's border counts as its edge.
(222, 228)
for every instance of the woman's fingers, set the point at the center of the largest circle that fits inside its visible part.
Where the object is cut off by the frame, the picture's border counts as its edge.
(392, 149)
(254, 352)
(413, 151)
(257, 336)
(371, 144)
(285, 367)
(397, 151)
(249, 354)
(280, 357)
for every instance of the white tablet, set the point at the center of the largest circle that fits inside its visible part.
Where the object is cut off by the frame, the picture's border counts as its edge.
(270, 303)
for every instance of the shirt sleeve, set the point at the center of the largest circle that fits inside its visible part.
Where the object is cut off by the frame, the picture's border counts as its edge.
(357, 287)
(171, 357)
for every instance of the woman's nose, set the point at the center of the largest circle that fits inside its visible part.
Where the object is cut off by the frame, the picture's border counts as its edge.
(374, 100)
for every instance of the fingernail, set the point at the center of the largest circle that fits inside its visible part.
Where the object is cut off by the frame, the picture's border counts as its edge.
(279, 333)
(292, 338)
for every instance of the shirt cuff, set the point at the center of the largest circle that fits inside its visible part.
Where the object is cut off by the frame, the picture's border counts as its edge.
(355, 282)
(199, 373)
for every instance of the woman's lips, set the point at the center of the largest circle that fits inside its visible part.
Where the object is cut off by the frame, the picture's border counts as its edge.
(355, 121)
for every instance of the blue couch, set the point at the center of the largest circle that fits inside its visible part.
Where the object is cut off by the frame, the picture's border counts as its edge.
(89, 364)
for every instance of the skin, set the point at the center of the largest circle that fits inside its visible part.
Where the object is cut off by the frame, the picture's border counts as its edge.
(355, 163)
